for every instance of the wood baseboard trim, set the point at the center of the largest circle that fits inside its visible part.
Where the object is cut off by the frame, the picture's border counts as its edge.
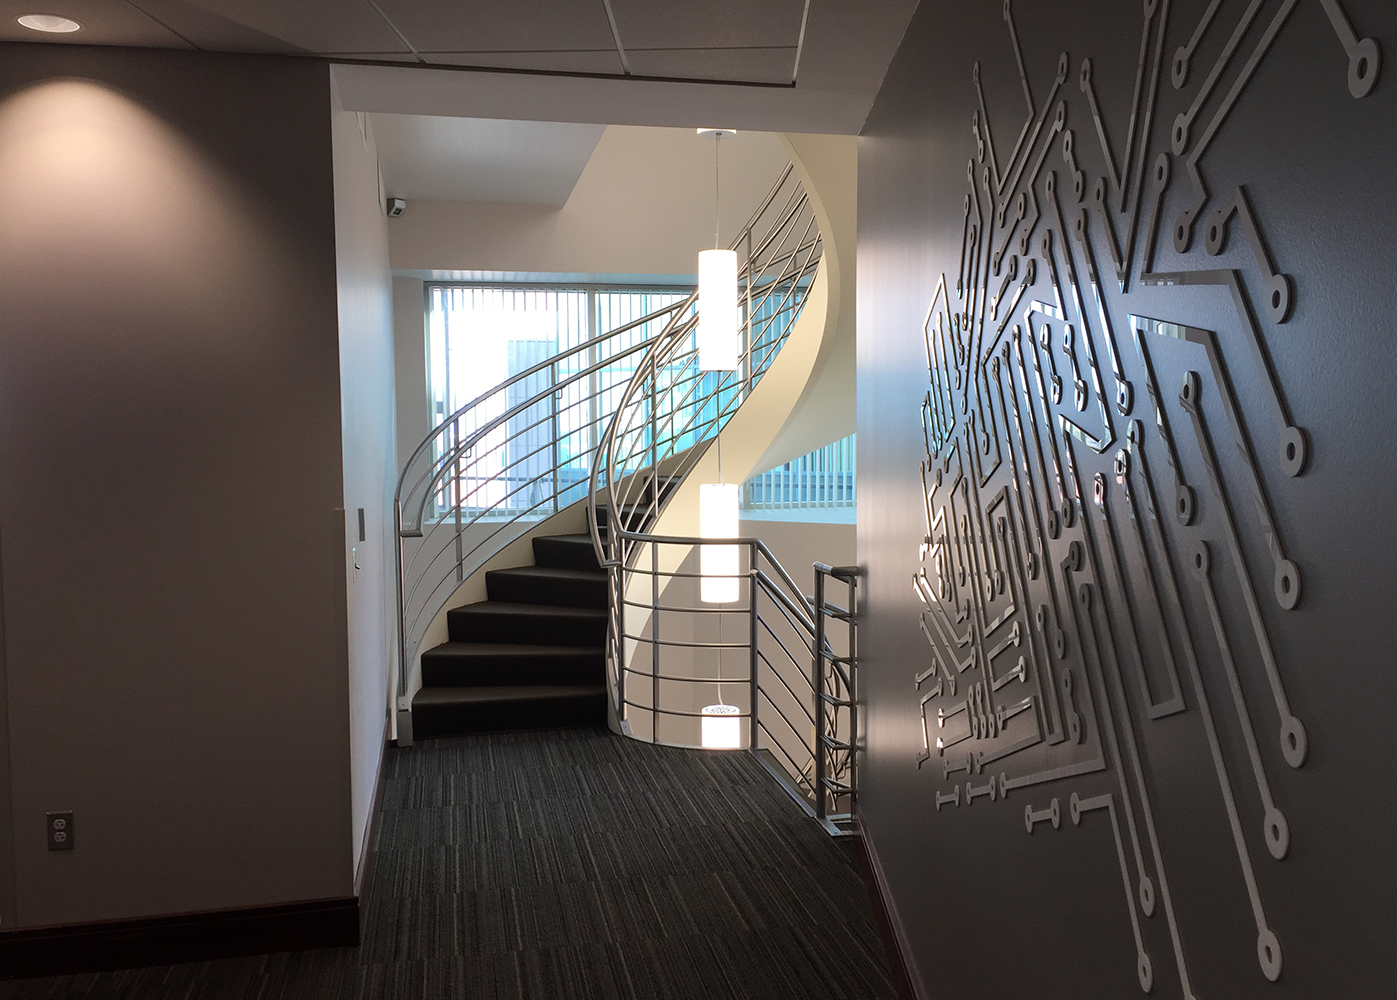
(107, 945)
(895, 941)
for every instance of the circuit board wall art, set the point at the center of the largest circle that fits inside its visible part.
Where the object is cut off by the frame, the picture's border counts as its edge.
(1077, 583)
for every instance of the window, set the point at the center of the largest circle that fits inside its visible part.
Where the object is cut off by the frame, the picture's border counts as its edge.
(822, 479)
(530, 457)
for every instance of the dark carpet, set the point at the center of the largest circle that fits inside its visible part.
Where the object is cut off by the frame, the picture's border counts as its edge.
(571, 864)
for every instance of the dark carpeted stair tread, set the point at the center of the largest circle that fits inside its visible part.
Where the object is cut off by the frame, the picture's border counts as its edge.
(485, 664)
(511, 649)
(451, 711)
(506, 621)
(548, 585)
(567, 552)
(504, 692)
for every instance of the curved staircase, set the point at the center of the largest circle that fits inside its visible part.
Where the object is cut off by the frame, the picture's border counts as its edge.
(544, 649)
(532, 656)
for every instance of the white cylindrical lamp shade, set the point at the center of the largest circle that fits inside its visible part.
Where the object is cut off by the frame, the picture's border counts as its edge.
(721, 727)
(718, 564)
(718, 326)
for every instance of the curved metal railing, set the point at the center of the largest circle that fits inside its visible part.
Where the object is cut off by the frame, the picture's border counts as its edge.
(495, 466)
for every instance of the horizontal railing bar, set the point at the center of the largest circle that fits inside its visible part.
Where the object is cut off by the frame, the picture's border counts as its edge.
(687, 715)
(549, 363)
(687, 645)
(737, 682)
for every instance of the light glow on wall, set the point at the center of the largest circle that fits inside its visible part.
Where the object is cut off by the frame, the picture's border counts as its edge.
(718, 504)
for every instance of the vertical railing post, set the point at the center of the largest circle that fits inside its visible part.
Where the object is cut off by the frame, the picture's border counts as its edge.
(459, 499)
(655, 642)
(752, 637)
(402, 713)
(618, 624)
(852, 693)
(747, 333)
(553, 423)
(817, 681)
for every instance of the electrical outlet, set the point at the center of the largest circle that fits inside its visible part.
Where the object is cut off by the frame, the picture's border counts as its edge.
(60, 830)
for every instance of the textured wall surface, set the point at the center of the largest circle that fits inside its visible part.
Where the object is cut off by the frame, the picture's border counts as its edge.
(1124, 404)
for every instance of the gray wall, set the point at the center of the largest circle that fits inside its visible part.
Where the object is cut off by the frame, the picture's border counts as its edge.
(988, 908)
(172, 490)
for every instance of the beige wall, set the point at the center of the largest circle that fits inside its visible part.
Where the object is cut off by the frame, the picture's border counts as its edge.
(643, 205)
(828, 167)
(171, 504)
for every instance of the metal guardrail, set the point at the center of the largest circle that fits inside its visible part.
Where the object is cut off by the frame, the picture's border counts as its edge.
(834, 679)
(470, 488)
(660, 636)
(794, 686)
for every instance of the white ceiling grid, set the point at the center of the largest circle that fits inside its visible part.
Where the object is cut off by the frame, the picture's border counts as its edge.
(729, 40)
(683, 61)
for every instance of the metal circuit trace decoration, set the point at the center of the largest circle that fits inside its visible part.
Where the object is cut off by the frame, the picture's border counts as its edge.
(1046, 524)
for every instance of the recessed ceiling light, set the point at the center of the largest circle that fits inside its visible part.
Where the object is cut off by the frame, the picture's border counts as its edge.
(49, 22)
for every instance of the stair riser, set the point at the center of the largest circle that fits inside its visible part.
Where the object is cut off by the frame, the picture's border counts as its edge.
(448, 670)
(552, 713)
(501, 586)
(494, 626)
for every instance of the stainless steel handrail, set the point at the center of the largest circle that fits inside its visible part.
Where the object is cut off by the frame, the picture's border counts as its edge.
(800, 696)
(441, 574)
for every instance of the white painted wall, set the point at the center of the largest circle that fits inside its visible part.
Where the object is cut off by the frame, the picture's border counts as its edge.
(367, 417)
(643, 205)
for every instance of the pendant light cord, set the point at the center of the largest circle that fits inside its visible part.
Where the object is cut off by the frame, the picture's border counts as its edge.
(720, 658)
(717, 218)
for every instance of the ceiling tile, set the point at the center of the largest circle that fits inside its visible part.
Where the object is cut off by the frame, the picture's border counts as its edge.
(210, 30)
(103, 23)
(772, 65)
(604, 61)
(489, 25)
(320, 26)
(691, 24)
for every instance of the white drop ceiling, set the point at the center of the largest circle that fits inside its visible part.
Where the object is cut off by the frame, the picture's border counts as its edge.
(482, 159)
(740, 47)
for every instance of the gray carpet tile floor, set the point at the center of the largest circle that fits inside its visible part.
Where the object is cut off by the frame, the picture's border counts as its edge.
(570, 864)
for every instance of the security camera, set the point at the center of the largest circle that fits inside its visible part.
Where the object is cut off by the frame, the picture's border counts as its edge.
(396, 207)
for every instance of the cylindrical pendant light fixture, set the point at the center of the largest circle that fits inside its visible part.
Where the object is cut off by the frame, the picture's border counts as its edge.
(721, 727)
(718, 564)
(719, 334)
(718, 324)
